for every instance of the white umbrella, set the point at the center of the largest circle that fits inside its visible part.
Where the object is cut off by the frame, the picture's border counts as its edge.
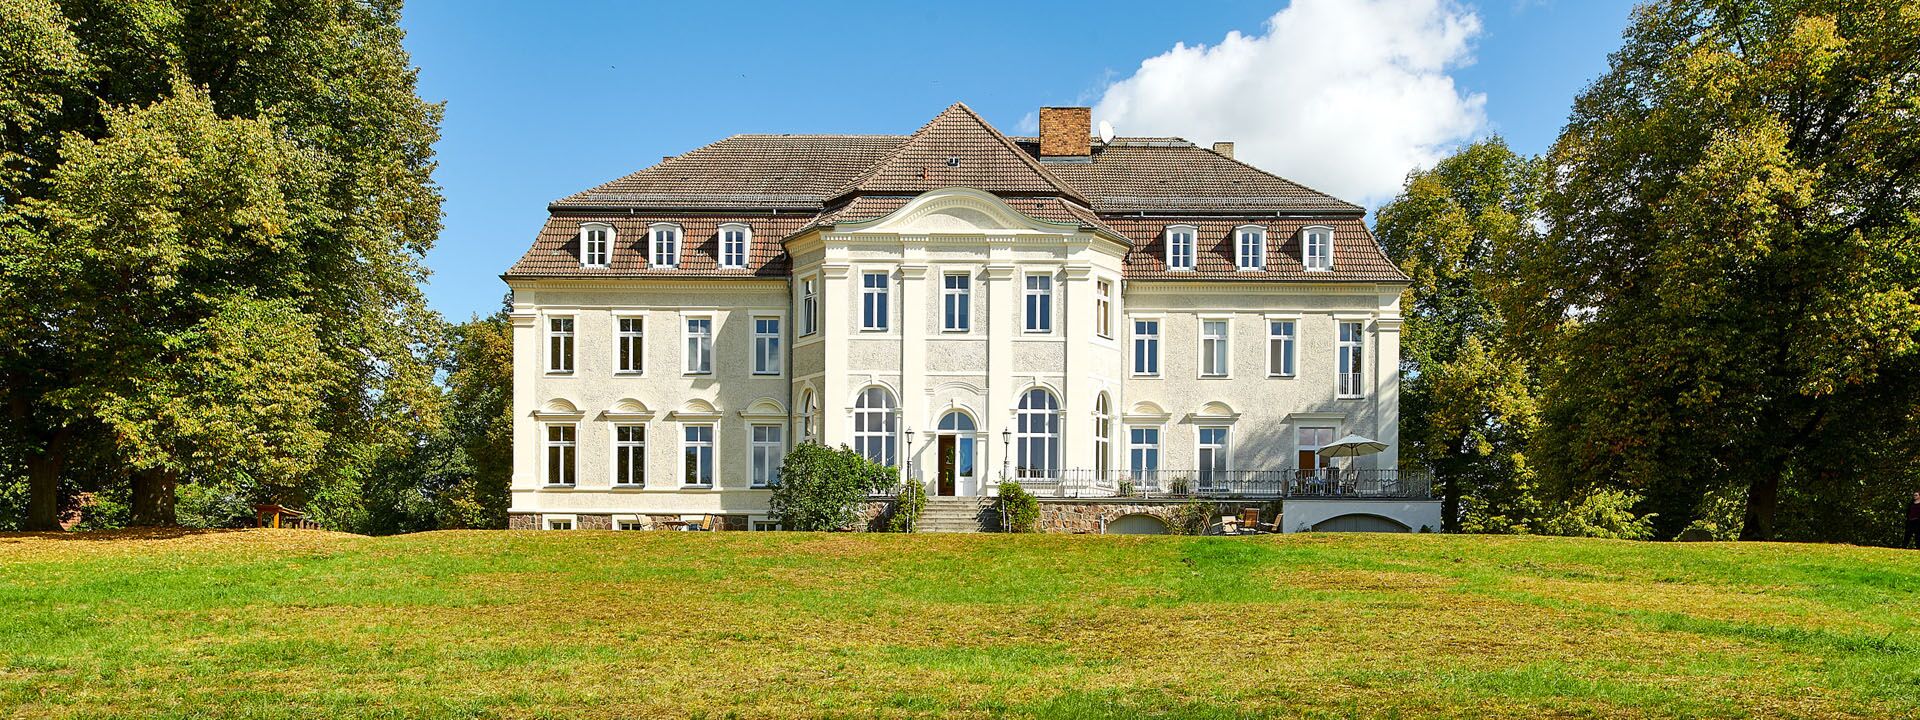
(1351, 446)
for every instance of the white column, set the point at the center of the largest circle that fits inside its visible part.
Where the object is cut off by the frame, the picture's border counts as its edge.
(1076, 421)
(527, 368)
(1002, 318)
(1386, 390)
(913, 368)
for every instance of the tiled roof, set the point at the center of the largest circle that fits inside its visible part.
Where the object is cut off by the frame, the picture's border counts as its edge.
(1355, 254)
(1131, 188)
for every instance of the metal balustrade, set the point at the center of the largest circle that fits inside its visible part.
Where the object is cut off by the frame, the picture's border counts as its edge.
(1360, 483)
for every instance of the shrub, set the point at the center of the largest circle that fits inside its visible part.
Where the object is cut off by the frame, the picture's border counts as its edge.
(1192, 518)
(821, 488)
(906, 508)
(1019, 510)
(1602, 514)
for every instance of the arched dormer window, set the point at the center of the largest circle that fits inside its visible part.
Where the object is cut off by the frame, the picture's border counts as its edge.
(734, 240)
(596, 244)
(664, 239)
(1316, 248)
(1180, 246)
(1250, 247)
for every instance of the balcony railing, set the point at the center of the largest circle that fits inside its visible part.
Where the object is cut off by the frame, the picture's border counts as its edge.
(1315, 483)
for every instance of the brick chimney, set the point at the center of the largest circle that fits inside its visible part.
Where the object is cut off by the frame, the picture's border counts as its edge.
(1066, 132)
(1223, 149)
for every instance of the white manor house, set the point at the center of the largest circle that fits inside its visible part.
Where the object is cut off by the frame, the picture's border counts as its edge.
(1107, 321)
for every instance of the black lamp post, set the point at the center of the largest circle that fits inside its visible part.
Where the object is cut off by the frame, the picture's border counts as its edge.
(907, 467)
(1006, 453)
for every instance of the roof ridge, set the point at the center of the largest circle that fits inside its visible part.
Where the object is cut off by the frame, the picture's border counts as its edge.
(962, 110)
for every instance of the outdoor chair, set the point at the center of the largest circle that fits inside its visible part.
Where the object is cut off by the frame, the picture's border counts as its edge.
(1250, 518)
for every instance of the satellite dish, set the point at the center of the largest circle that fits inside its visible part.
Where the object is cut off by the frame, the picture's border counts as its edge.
(1106, 132)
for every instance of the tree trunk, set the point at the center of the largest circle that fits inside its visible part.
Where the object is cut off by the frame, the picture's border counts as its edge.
(43, 483)
(1450, 504)
(153, 498)
(1763, 496)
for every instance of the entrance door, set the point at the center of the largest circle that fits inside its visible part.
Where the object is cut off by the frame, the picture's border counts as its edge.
(947, 469)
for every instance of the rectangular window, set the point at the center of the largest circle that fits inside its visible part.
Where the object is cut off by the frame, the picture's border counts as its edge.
(1143, 452)
(766, 346)
(1180, 248)
(562, 454)
(560, 345)
(1212, 458)
(809, 305)
(630, 525)
(699, 346)
(733, 247)
(766, 525)
(1146, 347)
(697, 453)
(1318, 244)
(630, 345)
(666, 246)
(1253, 248)
(1103, 308)
(593, 244)
(873, 301)
(769, 450)
(956, 302)
(1039, 304)
(1280, 346)
(1352, 354)
(1307, 447)
(629, 455)
(1213, 348)
(559, 524)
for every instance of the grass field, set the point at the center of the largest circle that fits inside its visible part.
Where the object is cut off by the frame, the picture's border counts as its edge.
(264, 624)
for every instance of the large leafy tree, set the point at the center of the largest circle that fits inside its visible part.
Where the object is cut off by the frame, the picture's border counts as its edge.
(194, 172)
(1469, 401)
(1731, 286)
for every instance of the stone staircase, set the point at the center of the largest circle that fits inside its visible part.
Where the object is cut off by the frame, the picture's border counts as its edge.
(957, 515)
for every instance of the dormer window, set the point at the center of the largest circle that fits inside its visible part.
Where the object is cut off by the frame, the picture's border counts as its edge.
(1317, 248)
(596, 244)
(1180, 241)
(1250, 242)
(666, 245)
(734, 238)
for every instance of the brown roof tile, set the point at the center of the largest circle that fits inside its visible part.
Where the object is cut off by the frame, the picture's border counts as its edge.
(744, 171)
(1356, 256)
(957, 147)
(556, 251)
(1160, 174)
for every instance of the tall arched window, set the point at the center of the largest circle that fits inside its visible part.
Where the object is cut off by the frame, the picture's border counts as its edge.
(873, 425)
(1037, 435)
(1102, 433)
(807, 413)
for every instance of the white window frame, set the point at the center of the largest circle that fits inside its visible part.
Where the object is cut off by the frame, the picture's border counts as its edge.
(1048, 437)
(1341, 347)
(557, 340)
(629, 524)
(1322, 261)
(765, 456)
(1226, 350)
(571, 461)
(687, 338)
(809, 304)
(776, 356)
(621, 447)
(1290, 344)
(1157, 339)
(956, 303)
(1103, 308)
(561, 524)
(588, 252)
(808, 414)
(763, 526)
(1192, 254)
(886, 436)
(727, 259)
(876, 295)
(1159, 455)
(1036, 321)
(1254, 238)
(1225, 451)
(665, 241)
(712, 444)
(623, 338)
(1102, 436)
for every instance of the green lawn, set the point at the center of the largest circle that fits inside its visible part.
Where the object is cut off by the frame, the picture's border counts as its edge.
(264, 624)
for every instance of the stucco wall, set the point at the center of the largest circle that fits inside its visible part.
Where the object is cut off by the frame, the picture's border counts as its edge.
(1303, 514)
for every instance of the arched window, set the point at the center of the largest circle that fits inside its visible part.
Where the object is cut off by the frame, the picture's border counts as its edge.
(1102, 433)
(1037, 435)
(873, 425)
(734, 238)
(807, 413)
(1180, 246)
(1316, 248)
(666, 244)
(1250, 247)
(596, 244)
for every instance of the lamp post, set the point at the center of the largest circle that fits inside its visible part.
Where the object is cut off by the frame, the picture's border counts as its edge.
(1006, 453)
(907, 466)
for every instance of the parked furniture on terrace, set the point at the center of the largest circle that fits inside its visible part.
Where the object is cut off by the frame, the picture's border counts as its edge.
(1332, 482)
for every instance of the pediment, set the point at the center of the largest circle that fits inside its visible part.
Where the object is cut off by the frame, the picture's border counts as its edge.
(765, 407)
(629, 408)
(558, 408)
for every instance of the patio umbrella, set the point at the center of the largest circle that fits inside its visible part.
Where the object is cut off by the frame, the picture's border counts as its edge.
(1351, 446)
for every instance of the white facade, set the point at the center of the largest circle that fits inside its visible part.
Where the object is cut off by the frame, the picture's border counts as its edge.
(948, 248)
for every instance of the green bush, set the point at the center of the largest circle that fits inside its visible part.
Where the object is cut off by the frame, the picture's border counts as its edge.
(1019, 511)
(1604, 513)
(202, 505)
(822, 488)
(906, 508)
(1192, 518)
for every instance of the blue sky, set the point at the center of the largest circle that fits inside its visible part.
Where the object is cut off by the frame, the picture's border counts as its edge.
(545, 102)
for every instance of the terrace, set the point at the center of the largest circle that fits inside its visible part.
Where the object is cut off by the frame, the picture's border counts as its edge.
(1332, 483)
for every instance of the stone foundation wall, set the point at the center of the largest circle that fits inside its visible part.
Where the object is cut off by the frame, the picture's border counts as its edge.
(523, 522)
(1089, 516)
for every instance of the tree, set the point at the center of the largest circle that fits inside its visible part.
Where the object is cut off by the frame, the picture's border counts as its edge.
(1731, 287)
(1469, 400)
(820, 487)
(480, 420)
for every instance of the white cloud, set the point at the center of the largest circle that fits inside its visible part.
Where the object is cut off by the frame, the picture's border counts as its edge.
(1345, 96)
